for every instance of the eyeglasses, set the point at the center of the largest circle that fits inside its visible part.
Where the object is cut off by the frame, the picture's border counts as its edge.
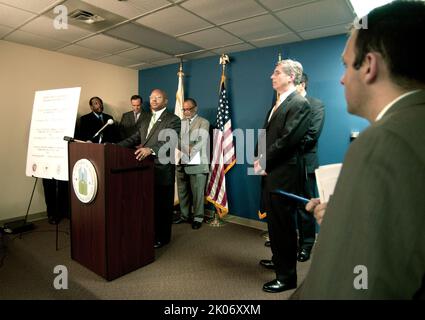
(188, 109)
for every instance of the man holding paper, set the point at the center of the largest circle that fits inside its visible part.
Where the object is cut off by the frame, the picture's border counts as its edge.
(371, 243)
(192, 171)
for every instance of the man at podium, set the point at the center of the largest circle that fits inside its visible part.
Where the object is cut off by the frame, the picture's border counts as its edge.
(148, 143)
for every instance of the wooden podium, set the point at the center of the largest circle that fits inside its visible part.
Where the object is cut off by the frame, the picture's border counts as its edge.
(114, 233)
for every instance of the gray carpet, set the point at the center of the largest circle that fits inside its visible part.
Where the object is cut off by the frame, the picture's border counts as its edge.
(212, 263)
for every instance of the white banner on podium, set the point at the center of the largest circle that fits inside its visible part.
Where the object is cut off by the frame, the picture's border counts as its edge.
(53, 117)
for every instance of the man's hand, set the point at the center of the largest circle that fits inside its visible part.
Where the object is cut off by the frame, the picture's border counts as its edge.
(142, 153)
(257, 168)
(318, 208)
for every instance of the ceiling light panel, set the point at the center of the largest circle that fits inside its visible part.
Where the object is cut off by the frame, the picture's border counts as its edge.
(82, 52)
(34, 40)
(104, 43)
(144, 54)
(211, 38)
(153, 39)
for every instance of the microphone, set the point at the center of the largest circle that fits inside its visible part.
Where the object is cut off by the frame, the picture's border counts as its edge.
(109, 122)
(71, 139)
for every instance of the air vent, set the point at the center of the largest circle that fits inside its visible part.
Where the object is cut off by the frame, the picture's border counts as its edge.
(85, 16)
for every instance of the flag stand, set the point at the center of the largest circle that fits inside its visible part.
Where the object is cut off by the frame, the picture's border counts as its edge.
(217, 222)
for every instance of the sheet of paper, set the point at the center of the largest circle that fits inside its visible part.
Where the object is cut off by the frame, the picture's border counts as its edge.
(326, 178)
(196, 159)
(53, 117)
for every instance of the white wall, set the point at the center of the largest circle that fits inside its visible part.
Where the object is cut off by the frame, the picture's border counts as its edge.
(24, 70)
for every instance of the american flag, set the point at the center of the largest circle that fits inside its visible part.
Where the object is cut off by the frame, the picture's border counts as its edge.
(224, 156)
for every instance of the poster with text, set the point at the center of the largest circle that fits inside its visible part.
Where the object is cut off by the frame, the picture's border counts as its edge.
(53, 117)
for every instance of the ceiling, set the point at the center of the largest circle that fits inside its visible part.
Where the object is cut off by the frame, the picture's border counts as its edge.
(142, 34)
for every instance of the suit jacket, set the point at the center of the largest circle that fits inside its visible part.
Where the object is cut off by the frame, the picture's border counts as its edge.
(284, 134)
(89, 124)
(164, 172)
(376, 216)
(128, 126)
(199, 144)
(312, 137)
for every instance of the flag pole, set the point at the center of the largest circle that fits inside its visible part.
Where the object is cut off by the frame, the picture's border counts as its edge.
(224, 59)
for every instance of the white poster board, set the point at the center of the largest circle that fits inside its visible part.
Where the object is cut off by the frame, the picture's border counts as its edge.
(326, 178)
(53, 117)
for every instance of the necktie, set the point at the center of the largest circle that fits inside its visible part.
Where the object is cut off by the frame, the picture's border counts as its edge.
(101, 118)
(151, 123)
(136, 116)
(274, 110)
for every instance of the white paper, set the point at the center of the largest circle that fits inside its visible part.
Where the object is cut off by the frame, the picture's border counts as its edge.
(53, 117)
(196, 159)
(326, 178)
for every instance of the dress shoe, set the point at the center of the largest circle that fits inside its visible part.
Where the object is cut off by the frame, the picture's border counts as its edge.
(196, 225)
(158, 244)
(267, 243)
(179, 220)
(303, 255)
(268, 264)
(280, 285)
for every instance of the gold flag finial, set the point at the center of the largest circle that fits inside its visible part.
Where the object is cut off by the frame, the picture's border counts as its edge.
(224, 59)
(180, 73)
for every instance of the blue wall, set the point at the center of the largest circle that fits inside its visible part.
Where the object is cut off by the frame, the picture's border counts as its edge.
(250, 97)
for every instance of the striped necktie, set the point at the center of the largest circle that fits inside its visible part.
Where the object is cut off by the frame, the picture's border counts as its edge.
(151, 123)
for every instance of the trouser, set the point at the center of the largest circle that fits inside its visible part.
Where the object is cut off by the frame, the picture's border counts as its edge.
(305, 220)
(163, 212)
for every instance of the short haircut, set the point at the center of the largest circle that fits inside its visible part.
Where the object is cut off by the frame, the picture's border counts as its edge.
(292, 67)
(191, 100)
(304, 79)
(394, 30)
(92, 98)
(136, 97)
(164, 94)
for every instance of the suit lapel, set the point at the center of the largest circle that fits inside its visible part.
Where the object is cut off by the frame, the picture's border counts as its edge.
(282, 108)
(157, 126)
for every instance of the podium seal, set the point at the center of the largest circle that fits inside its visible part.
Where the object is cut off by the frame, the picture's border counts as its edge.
(84, 180)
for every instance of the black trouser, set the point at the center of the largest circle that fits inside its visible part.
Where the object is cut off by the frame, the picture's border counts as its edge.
(163, 212)
(56, 195)
(305, 220)
(282, 231)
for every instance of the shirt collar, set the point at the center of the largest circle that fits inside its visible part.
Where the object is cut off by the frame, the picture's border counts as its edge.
(158, 113)
(286, 94)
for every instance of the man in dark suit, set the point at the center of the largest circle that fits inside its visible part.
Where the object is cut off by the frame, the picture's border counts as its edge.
(305, 220)
(92, 122)
(158, 137)
(281, 167)
(371, 243)
(130, 121)
(194, 167)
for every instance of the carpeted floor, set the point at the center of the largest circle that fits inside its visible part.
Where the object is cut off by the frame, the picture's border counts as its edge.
(212, 263)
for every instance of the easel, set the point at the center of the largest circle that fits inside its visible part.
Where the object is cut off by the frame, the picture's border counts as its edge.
(56, 206)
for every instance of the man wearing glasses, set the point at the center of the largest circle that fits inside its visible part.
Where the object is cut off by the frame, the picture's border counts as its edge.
(153, 135)
(193, 168)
